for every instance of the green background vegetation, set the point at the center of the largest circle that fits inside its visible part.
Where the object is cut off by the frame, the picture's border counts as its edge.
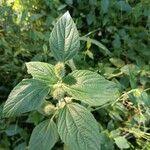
(123, 26)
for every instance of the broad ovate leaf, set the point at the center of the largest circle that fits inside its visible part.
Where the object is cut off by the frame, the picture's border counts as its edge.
(89, 87)
(64, 39)
(42, 71)
(26, 96)
(78, 128)
(44, 136)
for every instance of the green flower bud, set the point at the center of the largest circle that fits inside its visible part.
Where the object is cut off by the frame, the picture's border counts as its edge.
(62, 104)
(60, 70)
(47, 108)
(58, 93)
(68, 99)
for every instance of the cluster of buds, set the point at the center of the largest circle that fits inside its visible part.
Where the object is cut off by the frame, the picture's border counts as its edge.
(47, 108)
(58, 93)
(60, 70)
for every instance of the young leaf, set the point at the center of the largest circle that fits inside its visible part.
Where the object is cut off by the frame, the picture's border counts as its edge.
(44, 136)
(26, 96)
(64, 39)
(121, 142)
(90, 87)
(117, 62)
(103, 49)
(78, 128)
(42, 71)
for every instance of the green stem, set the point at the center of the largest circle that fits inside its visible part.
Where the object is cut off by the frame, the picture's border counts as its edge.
(91, 32)
(54, 115)
(72, 64)
(105, 105)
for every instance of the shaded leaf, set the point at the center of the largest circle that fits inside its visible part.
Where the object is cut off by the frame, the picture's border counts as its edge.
(123, 6)
(105, 5)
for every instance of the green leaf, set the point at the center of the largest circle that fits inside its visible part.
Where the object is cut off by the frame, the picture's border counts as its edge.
(116, 42)
(42, 71)
(121, 142)
(44, 136)
(90, 87)
(123, 6)
(145, 98)
(105, 5)
(117, 62)
(78, 128)
(12, 130)
(90, 18)
(20, 146)
(64, 39)
(69, 2)
(26, 96)
(66, 147)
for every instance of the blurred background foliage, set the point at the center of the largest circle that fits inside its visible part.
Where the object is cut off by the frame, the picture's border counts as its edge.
(115, 36)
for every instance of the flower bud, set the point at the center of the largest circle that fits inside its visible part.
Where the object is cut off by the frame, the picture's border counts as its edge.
(61, 104)
(60, 70)
(58, 93)
(47, 108)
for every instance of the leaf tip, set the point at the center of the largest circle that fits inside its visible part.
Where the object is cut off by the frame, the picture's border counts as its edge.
(67, 15)
(27, 64)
